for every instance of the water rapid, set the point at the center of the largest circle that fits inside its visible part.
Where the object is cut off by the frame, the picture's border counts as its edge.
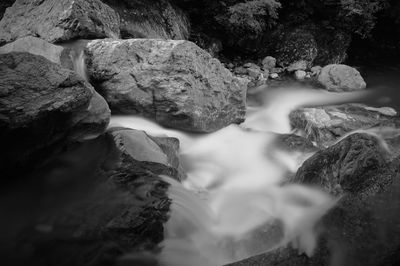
(234, 203)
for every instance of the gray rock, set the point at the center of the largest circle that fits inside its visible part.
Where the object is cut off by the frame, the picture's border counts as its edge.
(341, 78)
(274, 75)
(41, 105)
(254, 72)
(315, 70)
(57, 21)
(29, 44)
(173, 82)
(325, 125)
(151, 20)
(300, 74)
(269, 63)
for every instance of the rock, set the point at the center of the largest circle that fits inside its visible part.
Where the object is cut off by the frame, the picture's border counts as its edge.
(300, 74)
(363, 227)
(251, 65)
(58, 21)
(341, 78)
(315, 70)
(298, 65)
(41, 106)
(274, 75)
(151, 20)
(345, 167)
(54, 53)
(277, 70)
(254, 72)
(325, 125)
(269, 63)
(291, 142)
(173, 82)
(240, 70)
(121, 209)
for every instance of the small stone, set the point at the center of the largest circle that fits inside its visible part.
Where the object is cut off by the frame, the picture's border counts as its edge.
(300, 74)
(268, 62)
(254, 73)
(315, 70)
(274, 75)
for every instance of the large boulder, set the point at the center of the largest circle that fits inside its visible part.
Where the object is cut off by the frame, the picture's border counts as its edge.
(325, 125)
(173, 82)
(42, 105)
(341, 78)
(363, 227)
(99, 200)
(57, 21)
(150, 19)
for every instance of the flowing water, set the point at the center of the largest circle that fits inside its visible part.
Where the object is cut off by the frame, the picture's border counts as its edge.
(233, 204)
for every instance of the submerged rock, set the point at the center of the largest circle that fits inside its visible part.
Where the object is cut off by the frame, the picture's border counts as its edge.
(363, 227)
(325, 125)
(41, 105)
(150, 19)
(173, 82)
(341, 78)
(58, 21)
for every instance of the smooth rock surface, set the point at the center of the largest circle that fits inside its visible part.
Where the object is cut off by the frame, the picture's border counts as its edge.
(43, 104)
(341, 78)
(173, 82)
(325, 125)
(59, 21)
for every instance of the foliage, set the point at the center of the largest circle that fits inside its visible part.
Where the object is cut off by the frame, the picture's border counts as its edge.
(254, 16)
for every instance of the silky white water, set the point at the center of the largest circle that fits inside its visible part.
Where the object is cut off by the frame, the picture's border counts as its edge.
(233, 204)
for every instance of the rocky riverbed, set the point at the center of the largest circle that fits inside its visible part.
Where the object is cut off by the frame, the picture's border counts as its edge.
(137, 133)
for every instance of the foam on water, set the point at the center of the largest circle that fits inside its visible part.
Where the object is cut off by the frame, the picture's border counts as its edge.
(234, 194)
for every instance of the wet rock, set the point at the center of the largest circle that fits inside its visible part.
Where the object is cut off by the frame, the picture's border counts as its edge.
(41, 105)
(291, 142)
(325, 125)
(268, 63)
(58, 21)
(121, 209)
(150, 20)
(341, 78)
(173, 82)
(347, 167)
(363, 227)
(300, 74)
